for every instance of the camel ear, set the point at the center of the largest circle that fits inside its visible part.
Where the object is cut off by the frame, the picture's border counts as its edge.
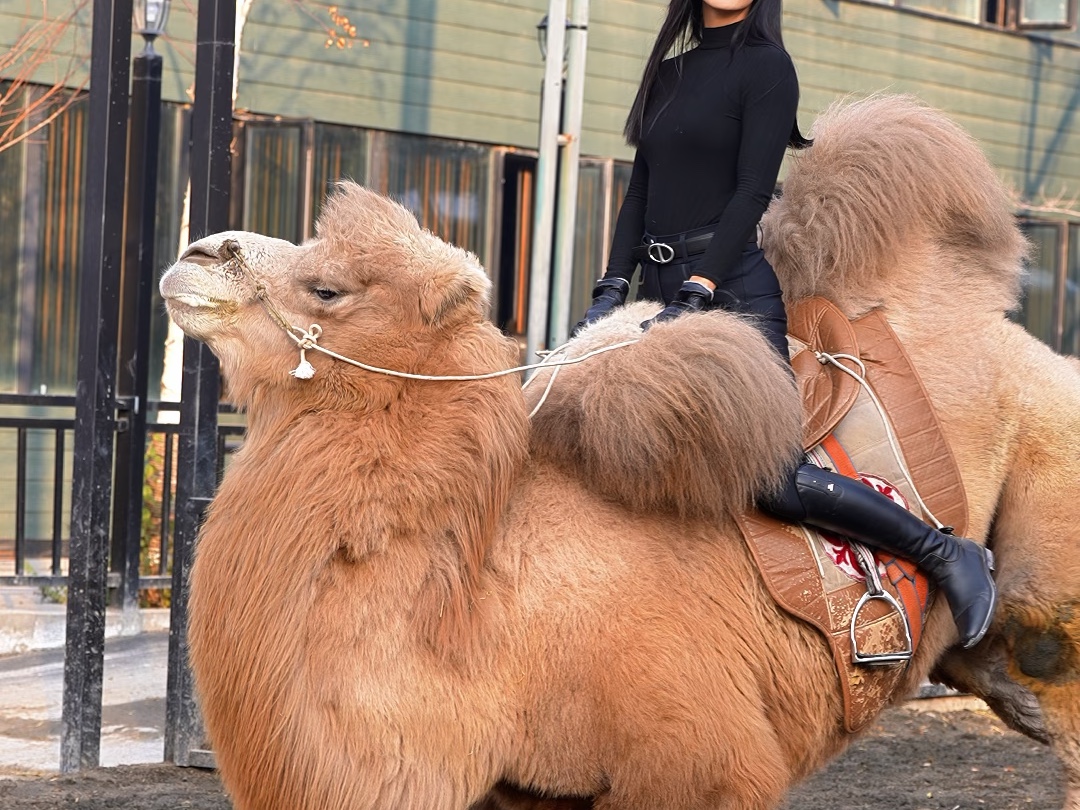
(453, 289)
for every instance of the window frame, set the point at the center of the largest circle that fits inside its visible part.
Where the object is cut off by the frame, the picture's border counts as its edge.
(1006, 18)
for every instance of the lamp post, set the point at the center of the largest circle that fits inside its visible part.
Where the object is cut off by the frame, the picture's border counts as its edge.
(136, 298)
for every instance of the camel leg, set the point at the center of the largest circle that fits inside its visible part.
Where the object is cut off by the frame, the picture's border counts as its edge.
(983, 672)
(1043, 642)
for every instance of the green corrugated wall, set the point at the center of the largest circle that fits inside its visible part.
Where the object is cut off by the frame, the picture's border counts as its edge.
(471, 69)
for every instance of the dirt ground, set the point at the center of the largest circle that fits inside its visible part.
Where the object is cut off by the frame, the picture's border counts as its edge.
(911, 760)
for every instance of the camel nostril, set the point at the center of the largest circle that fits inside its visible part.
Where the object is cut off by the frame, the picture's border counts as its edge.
(197, 254)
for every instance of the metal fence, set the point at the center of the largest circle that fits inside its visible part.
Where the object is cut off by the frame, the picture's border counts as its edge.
(36, 441)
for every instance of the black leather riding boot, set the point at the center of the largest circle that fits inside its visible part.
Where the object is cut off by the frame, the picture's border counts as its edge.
(960, 567)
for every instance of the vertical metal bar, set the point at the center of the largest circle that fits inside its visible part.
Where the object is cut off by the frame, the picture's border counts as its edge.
(137, 303)
(102, 246)
(20, 501)
(34, 211)
(58, 502)
(197, 462)
(569, 169)
(550, 108)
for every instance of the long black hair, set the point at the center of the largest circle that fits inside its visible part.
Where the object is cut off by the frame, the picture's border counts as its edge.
(682, 29)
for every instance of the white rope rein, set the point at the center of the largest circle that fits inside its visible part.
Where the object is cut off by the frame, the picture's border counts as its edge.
(834, 359)
(308, 340)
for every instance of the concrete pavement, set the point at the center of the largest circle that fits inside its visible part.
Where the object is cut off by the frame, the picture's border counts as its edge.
(28, 621)
(133, 711)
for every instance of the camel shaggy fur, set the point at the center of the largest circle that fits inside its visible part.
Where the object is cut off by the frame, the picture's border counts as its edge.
(406, 595)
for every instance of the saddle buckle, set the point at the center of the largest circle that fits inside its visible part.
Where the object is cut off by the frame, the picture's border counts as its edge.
(661, 252)
(874, 591)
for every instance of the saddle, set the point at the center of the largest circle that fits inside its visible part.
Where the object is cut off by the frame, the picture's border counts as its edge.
(870, 606)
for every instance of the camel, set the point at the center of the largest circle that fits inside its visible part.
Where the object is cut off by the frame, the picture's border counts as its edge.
(409, 594)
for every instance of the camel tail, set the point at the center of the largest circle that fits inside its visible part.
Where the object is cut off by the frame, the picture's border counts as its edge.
(891, 194)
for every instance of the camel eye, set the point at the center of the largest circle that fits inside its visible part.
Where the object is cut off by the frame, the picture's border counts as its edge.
(325, 294)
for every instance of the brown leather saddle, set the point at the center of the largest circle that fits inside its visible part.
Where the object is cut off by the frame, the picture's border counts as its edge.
(870, 606)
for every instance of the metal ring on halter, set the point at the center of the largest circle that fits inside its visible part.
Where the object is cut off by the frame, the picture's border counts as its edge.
(664, 252)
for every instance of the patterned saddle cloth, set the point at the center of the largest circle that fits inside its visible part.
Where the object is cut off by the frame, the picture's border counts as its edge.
(874, 422)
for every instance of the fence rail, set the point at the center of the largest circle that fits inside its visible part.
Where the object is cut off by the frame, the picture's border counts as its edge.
(36, 444)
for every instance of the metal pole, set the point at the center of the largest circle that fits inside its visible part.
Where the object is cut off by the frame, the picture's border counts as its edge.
(546, 166)
(136, 304)
(197, 461)
(569, 166)
(102, 246)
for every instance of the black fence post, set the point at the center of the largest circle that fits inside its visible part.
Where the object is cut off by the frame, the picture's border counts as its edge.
(102, 245)
(136, 302)
(197, 463)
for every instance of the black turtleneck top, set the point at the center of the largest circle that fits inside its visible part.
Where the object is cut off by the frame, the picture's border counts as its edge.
(715, 132)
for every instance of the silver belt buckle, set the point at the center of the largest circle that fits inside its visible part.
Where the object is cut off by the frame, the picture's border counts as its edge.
(663, 254)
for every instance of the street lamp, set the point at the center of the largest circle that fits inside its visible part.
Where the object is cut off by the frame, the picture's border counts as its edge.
(149, 17)
(136, 296)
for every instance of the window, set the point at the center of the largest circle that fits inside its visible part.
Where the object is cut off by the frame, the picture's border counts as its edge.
(1050, 308)
(591, 235)
(272, 202)
(961, 9)
(447, 184)
(1037, 306)
(340, 154)
(42, 182)
(1009, 14)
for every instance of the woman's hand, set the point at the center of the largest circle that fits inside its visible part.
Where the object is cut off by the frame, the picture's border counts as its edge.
(695, 295)
(608, 294)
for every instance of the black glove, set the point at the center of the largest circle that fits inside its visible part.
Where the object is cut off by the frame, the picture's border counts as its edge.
(691, 297)
(607, 294)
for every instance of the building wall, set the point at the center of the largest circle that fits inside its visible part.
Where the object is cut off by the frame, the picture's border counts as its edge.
(467, 69)
(471, 70)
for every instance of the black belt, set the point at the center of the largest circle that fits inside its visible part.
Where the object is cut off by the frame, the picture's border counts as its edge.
(667, 249)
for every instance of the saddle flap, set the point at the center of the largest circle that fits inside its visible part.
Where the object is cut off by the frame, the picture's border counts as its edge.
(815, 324)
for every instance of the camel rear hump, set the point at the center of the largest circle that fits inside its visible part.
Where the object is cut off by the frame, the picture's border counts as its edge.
(894, 196)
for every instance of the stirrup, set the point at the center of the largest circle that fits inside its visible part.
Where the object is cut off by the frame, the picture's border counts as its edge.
(874, 591)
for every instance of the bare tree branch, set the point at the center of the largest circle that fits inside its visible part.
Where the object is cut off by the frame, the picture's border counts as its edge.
(34, 49)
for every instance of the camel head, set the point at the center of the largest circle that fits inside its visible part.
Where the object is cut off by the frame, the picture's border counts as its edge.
(380, 288)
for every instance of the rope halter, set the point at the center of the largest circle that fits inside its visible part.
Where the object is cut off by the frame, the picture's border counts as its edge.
(308, 340)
